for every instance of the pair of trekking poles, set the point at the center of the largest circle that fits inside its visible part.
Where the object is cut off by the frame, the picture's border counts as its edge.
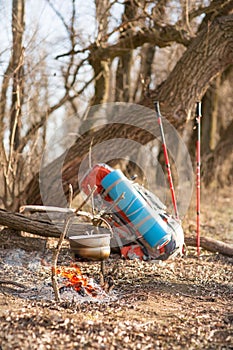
(198, 168)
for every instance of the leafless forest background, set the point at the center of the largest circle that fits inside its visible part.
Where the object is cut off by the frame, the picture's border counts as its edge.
(60, 61)
(133, 51)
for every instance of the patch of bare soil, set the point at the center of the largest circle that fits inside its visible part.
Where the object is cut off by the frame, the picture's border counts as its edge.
(186, 303)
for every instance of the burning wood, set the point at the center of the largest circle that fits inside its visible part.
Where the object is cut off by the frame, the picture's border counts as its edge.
(77, 281)
(28, 278)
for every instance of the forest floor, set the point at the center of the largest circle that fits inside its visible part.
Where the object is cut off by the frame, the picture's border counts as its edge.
(185, 303)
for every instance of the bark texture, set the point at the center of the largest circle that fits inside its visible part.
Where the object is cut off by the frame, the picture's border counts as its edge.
(211, 245)
(20, 222)
(208, 54)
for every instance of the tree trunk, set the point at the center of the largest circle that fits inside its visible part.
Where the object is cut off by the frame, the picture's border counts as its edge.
(11, 157)
(50, 187)
(144, 77)
(17, 67)
(208, 54)
(210, 112)
(123, 71)
(213, 162)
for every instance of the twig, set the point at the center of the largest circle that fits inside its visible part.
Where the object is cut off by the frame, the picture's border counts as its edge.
(13, 132)
(20, 285)
(55, 257)
(70, 199)
(102, 272)
(92, 201)
(59, 245)
(86, 200)
(90, 154)
(44, 208)
(114, 204)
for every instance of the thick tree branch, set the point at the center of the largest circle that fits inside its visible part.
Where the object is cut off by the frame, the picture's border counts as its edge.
(159, 36)
(210, 53)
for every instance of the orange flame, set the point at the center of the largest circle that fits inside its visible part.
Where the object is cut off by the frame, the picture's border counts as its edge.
(76, 280)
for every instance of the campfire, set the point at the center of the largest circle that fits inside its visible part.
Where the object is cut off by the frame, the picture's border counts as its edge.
(75, 280)
(29, 277)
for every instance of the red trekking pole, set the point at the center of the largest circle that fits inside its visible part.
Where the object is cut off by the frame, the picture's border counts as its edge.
(159, 116)
(198, 174)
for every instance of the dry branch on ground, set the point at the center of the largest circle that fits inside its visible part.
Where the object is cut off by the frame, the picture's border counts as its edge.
(20, 222)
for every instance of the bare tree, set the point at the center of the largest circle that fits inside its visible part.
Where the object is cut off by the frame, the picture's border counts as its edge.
(144, 28)
(14, 72)
(177, 94)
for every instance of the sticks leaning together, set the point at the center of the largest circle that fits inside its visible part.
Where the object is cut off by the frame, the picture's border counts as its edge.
(62, 236)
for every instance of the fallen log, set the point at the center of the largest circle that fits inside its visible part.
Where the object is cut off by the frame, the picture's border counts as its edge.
(44, 228)
(20, 222)
(211, 245)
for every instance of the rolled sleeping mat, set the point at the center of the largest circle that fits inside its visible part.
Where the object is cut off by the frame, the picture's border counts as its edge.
(145, 220)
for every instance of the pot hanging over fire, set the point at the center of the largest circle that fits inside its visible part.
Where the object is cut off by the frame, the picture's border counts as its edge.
(94, 247)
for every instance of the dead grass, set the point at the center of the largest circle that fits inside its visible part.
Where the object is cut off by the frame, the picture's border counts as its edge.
(180, 304)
